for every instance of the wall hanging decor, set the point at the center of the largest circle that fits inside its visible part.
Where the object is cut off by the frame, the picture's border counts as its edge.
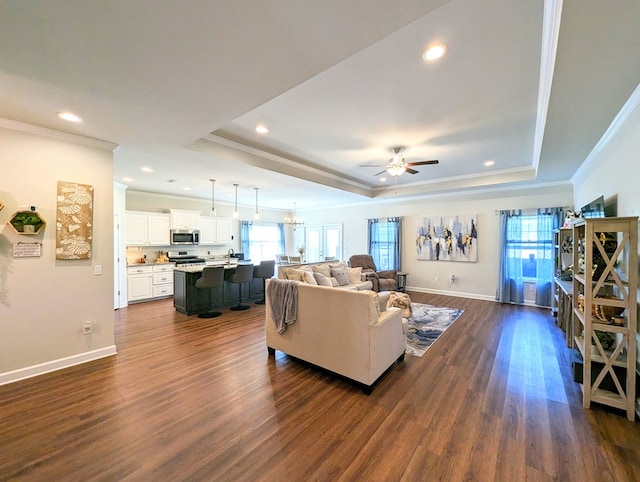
(27, 222)
(74, 221)
(452, 238)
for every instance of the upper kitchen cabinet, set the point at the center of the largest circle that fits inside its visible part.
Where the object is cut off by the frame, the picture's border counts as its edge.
(148, 229)
(185, 219)
(215, 230)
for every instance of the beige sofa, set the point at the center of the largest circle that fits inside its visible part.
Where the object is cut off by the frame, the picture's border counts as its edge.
(342, 331)
(337, 275)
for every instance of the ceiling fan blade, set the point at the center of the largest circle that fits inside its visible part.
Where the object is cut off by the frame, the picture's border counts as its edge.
(371, 165)
(381, 172)
(422, 163)
(411, 171)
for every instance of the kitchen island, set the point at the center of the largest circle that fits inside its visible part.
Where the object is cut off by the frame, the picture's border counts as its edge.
(189, 300)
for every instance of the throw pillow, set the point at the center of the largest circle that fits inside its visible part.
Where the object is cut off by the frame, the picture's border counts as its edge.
(355, 274)
(334, 282)
(295, 274)
(341, 275)
(322, 280)
(402, 301)
(308, 278)
(323, 269)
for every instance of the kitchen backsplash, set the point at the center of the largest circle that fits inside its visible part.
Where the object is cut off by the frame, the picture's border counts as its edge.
(136, 254)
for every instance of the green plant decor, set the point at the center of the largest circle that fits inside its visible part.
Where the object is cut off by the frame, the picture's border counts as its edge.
(26, 218)
(607, 340)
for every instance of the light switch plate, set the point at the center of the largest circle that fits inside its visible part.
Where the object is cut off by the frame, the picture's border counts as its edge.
(97, 269)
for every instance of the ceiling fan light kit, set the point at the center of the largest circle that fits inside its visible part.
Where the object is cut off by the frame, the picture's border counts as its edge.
(397, 164)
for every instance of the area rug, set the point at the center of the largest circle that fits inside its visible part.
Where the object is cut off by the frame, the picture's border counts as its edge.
(426, 324)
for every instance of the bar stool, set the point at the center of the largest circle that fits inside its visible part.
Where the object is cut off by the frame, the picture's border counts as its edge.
(243, 274)
(212, 277)
(264, 270)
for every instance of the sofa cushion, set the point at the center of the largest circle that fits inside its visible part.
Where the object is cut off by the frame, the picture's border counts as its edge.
(323, 269)
(322, 280)
(341, 275)
(295, 274)
(355, 274)
(307, 277)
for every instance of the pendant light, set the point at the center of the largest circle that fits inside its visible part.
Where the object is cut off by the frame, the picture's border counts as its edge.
(213, 191)
(256, 215)
(236, 214)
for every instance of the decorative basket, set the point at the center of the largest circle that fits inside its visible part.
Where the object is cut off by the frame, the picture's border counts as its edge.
(605, 313)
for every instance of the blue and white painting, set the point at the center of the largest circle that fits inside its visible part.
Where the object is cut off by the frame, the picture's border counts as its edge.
(448, 238)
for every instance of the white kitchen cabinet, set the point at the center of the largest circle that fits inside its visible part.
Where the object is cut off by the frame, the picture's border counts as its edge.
(215, 230)
(185, 219)
(139, 282)
(147, 229)
(162, 280)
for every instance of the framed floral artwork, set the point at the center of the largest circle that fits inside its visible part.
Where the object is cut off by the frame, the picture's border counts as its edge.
(74, 221)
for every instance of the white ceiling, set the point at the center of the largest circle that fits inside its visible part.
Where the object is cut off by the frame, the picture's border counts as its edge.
(180, 86)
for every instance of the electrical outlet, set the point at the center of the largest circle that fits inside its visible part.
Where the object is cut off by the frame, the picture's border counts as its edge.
(97, 269)
(436, 279)
(87, 328)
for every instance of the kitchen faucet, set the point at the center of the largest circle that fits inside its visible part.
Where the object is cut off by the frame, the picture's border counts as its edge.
(229, 253)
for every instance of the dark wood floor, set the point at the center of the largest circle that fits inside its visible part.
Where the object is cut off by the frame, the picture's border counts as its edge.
(193, 399)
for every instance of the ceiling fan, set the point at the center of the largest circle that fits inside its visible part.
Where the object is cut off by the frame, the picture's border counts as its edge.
(397, 164)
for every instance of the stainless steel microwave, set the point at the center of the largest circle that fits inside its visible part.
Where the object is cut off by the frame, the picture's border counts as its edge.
(185, 236)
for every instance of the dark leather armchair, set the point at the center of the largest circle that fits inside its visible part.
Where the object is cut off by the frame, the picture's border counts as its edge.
(382, 280)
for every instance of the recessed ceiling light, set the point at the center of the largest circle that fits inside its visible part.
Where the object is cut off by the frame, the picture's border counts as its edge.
(489, 163)
(186, 188)
(127, 179)
(383, 179)
(434, 52)
(69, 116)
(146, 169)
(262, 129)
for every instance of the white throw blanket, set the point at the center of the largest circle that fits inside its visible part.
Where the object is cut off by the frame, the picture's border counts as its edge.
(283, 300)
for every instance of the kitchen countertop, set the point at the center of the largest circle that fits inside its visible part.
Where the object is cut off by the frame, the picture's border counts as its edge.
(196, 269)
(149, 263)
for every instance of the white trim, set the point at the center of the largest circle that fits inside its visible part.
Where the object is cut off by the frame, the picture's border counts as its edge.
(550, 33)
(54, 134)
(627, 109)
(51, 366)
(283, 160)
(474, 296)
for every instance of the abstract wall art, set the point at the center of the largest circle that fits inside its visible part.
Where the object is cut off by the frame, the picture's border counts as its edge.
(448, 238)
(74, 221)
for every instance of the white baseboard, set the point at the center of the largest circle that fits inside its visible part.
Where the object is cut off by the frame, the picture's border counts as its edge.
(474, 296)
(51, 366)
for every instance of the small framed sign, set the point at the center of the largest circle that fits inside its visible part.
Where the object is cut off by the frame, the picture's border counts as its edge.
(27, 250)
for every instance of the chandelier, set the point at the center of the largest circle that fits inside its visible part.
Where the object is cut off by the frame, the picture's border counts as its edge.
(294, 221)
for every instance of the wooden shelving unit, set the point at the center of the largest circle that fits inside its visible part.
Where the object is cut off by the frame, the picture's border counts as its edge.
(605, 261)
(561, 301)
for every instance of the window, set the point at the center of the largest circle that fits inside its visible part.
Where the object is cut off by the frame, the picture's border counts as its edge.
(528, 247)
(262, 241)
(527, 256)
(385, 242)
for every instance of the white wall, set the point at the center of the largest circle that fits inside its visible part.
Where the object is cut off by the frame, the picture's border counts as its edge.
(614, 172)
(476, 280)
(44, 302)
